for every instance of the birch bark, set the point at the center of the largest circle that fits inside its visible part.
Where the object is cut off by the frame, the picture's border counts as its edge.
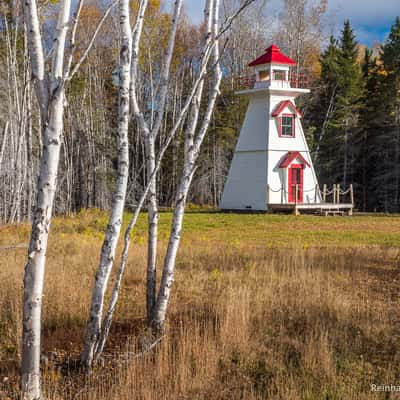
(116, 215)
(192, 149)
(150, 134)
(132, 223)
(52, 125)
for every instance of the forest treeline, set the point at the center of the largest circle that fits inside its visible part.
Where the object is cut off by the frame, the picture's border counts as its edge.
(351, 117)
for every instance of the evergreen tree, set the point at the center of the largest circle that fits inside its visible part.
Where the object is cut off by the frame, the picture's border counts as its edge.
(323, 110)
(344, 123)
(340, 105)
(367, 160)
(385, 129)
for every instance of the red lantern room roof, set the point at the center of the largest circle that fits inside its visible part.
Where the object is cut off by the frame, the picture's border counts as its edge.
(272, 55)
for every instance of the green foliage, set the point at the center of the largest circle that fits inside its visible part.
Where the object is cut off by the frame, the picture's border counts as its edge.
(342, 77)
(381, 127)
(391, 50)
(354, 124)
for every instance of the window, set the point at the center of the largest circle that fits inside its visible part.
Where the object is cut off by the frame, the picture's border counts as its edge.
(263, 75)
(279, 75)
(287, 125)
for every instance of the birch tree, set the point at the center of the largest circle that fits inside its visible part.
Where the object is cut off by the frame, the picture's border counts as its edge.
(117, 208)
(50, 96)
(192, 148)
(127, 236)
(150, 131)
(193, 141)
(50, 93)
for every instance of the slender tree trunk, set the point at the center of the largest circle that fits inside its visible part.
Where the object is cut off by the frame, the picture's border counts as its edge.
(192, 149)
(115, 293)
(153, 228)
(34, 270)
(117, 208)
(150, 133)
(52, 133)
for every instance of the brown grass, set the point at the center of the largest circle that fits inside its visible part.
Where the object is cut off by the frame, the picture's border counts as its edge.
(246, 321)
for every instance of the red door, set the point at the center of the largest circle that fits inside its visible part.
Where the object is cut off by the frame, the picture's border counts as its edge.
(295, 174)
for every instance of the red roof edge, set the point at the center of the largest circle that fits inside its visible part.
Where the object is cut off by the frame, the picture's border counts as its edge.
(272, 55)
(282, 105)
(290, 156)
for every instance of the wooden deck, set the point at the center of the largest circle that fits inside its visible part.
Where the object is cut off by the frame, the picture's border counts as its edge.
(315, 208)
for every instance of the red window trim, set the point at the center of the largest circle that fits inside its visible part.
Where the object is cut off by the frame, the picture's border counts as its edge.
(293, 125)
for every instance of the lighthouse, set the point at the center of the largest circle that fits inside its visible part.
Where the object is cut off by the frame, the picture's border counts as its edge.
(271, 167)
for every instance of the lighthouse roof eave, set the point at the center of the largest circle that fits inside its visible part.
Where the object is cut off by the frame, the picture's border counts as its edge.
(281, 106)
(273, 55)
(290, 156)
(273, 91)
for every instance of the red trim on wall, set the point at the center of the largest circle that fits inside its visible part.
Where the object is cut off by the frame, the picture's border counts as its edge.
(290, 156)
(295, 171)
(293, 135)
(282, 105)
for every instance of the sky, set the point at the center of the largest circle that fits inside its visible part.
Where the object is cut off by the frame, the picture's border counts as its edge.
(370, 19)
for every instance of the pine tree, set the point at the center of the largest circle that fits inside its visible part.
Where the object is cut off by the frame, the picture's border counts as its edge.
(322, 111)
(385, 130)
(367, 159)
(345, 121)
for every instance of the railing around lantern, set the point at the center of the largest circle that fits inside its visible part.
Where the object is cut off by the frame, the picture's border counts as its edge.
(249, 82)
(299, 80)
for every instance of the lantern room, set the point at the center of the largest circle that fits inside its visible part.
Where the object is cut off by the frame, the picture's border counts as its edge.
(272, 69)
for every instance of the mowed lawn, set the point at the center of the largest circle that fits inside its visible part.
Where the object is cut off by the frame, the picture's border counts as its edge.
(231, 228)
(263, 307)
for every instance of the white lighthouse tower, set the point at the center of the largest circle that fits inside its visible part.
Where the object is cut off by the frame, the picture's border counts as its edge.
(271, 167)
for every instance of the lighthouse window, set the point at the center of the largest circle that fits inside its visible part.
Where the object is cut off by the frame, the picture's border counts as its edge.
(287, 125)
(279, 75)
(263, 75)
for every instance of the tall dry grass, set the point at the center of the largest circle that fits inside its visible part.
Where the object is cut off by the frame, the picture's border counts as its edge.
(245, 322)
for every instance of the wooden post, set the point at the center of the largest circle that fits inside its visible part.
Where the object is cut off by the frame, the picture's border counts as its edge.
(351, 194)
(334, 193)
(324, 193)
(315, 193)
(296, 211)
(267, 200)
(282, 194)
(338, 193)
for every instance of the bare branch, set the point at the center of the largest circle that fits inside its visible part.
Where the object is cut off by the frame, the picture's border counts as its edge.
(91, 42)
(75, 20)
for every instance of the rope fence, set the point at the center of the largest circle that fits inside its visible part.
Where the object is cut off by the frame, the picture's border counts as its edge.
(319, 195)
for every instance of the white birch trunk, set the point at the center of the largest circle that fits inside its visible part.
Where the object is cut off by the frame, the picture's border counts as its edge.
(192, 149)
(150, 138)
(52, 135)
(132, 223)
(36, 54)
(116, 214)
(153, 217)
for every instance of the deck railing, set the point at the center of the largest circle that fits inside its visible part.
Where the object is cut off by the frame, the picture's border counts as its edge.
(334, 196)
(295, 81)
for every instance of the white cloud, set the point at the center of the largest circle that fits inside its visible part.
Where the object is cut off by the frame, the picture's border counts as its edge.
(365, 12)
(371, 19)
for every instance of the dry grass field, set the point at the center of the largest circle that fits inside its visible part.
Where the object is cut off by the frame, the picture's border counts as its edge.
(264, 307)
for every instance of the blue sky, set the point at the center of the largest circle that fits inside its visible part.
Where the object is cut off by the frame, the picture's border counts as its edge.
(371, 19)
